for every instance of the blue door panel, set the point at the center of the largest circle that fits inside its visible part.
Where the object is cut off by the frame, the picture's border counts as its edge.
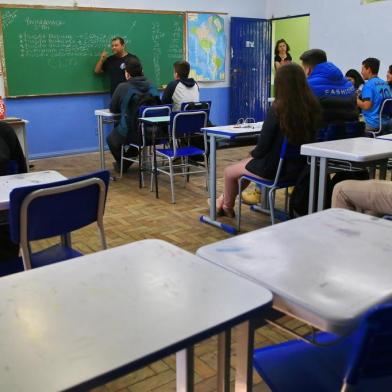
(250, 68)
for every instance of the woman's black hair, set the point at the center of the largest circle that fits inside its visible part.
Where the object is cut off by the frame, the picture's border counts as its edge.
(358, 81)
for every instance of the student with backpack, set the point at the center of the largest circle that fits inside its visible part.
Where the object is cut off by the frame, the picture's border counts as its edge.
(128, 97)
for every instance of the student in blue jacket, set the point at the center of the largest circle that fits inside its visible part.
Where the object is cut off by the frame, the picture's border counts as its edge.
(335, 93)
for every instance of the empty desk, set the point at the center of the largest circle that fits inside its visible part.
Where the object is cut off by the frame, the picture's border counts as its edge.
(8, 183)
(82, 322)
(326, 269)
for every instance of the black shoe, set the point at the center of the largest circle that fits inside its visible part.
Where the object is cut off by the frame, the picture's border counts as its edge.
(126, 166)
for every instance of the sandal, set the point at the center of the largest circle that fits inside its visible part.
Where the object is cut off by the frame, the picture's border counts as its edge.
(220, 210)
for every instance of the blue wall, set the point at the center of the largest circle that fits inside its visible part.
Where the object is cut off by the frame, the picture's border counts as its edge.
(66, 124)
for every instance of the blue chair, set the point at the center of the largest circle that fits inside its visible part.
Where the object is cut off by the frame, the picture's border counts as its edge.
(359, 362)
(200, 105)
(140, 141)
(54, 209)
(385, 123)
(272, 186)
(182, 126)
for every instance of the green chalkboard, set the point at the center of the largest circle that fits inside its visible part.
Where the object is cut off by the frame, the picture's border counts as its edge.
(54, 51)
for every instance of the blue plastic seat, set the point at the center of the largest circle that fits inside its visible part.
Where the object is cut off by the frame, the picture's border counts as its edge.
(271, 185)
(55, 209)
(359, 362)
(182, 126)
(385, 118)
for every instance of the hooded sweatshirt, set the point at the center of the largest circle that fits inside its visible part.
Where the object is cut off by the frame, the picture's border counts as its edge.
(180, 91)
(122, 96)
(336, 93)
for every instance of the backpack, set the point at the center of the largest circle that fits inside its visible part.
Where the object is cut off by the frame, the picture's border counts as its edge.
(136, 101)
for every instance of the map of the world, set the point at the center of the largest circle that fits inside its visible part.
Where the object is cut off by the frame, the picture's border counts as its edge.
(206, 47)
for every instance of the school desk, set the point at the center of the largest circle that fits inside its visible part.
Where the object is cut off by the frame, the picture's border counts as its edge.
(19, 126)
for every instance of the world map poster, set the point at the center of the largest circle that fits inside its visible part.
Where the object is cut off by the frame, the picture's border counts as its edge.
(206, 46)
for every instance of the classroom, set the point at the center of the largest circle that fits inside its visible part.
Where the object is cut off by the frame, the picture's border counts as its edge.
(195, 196)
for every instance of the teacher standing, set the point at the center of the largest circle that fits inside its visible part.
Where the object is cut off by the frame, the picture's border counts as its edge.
(114, 65)
(282, 55)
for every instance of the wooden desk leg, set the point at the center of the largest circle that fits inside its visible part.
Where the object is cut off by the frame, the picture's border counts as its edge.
(244, 363)
(224, 353)
(185, 369)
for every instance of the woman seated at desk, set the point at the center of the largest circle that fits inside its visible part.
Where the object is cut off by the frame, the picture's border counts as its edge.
(295, 115)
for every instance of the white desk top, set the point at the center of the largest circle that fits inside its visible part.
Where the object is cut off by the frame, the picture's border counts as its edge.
(230, 131)
(385, 137)
(15, 120)
(8, 183)
(359, 149)
(326, 268)
(105, 113)
(111, 312)
(155, 120)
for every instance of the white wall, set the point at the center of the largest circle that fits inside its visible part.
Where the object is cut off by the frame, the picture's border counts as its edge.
(243, 8)
(348, 31)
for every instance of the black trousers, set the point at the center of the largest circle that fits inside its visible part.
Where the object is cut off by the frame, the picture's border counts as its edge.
(115, 141)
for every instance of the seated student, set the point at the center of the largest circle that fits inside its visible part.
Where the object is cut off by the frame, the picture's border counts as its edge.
(373, 94)
(12, 161)
(127, 98)
(389, 77)
(373, 197)
(182, 89)
(294, 114)
(356, 79)
(335, 93)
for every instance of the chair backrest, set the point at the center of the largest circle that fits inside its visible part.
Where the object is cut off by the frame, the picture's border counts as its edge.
(155, 111)
(48, 210)
(385, 111)
(185, 106)
(342, 130)
(372, 352)
(287, 151)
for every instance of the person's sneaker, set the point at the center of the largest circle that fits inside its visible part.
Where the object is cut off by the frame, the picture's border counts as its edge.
(251, 196)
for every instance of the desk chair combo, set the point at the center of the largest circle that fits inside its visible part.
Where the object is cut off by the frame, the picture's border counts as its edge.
(142, 141)
(361, 361)
(183, 125)
(56, 209)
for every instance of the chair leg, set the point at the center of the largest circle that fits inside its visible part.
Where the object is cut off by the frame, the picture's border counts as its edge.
(239, 205)
(286, 200)
(102, 235)
(271, 199)
(206, 171)
(172, 181)
(122, 160)
(183, 169)
(152, 175)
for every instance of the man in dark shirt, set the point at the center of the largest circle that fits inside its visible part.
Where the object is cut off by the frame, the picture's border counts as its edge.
(114, 65)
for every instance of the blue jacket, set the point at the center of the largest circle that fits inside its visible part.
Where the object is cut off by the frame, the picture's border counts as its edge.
(336, 94)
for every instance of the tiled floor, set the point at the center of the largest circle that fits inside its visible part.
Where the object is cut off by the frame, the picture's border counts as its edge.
(133, 214)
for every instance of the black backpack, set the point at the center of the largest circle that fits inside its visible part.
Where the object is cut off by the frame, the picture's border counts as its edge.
(137, 101)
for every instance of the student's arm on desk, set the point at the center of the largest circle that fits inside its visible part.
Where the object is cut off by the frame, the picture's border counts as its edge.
(266, 136)
(365, 102)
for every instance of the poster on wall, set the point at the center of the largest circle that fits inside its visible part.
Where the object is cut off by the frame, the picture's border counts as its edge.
(206, 44)
(370, 1)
